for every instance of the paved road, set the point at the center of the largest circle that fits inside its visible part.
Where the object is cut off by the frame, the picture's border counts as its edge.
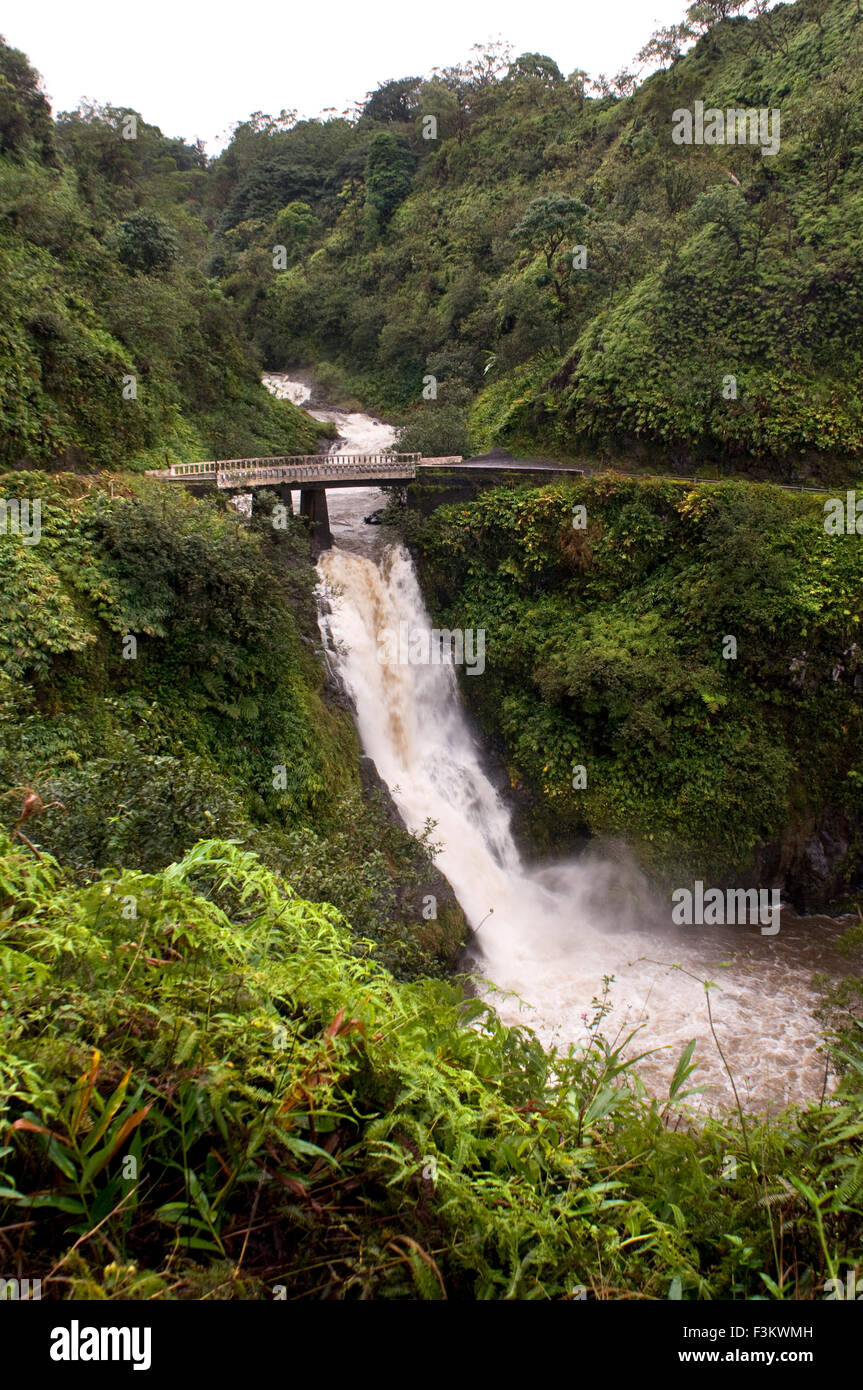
(502, 462)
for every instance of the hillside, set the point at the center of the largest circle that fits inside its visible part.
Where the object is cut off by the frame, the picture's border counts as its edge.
(115, 348)
(381, 257)
(694, 650)
(159, 684)
(453, 256)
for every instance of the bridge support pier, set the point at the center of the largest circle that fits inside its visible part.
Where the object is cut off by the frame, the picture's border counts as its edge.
(313, 504)
(282, 491)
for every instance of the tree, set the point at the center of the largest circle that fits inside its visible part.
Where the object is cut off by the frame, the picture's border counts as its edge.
(538, 67)
(536, 77)
(274, 179)
(488, 62)
(815, 10)
(146, 243)
(436, 432)
(440, 100)
(261, 123)
(389, 173)
(186, 156)
(475, 81)
(666, 45)
(830, 125)
(706, 14)
(622, 84)
(578, 82)
(293, 226)
(724, 206)
(677, 182)
(396, 100)
(771, 32)
(619, 251)
(348, 177)
(25, 116)
(548, 222)
(544, 228)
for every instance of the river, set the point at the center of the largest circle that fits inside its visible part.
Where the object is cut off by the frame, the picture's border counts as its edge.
(547, 935)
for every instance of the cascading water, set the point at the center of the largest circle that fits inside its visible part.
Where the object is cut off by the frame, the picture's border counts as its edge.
(547, 936)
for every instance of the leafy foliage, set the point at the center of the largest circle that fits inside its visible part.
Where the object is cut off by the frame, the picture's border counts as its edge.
(218, 726)
(605, 648)
(388, 1140)
(146, 243)
(389, 166)
(101, 240)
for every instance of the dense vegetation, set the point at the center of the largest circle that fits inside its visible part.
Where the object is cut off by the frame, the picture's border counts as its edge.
(223, 1097)
(115, 349)
(160, 682)
(231, 1058)
(453, 255)
(606, 648)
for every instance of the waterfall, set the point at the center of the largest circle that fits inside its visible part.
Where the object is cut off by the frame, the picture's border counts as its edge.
(545, 937)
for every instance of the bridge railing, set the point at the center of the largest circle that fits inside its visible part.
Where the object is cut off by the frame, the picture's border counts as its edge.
(298, 468)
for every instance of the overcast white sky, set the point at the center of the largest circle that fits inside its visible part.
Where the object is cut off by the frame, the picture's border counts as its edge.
(194, 69)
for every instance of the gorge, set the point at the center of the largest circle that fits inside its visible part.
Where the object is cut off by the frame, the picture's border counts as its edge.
(546, 936)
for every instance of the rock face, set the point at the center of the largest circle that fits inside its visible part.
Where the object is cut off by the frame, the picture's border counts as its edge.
(816, 862)
(373, 782)
(447, 930)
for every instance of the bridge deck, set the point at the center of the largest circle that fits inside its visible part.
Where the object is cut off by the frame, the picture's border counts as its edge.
(303, 470)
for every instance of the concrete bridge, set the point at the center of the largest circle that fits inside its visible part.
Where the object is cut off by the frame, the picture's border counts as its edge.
(428, 481)
(296, 470)
(310, 474)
